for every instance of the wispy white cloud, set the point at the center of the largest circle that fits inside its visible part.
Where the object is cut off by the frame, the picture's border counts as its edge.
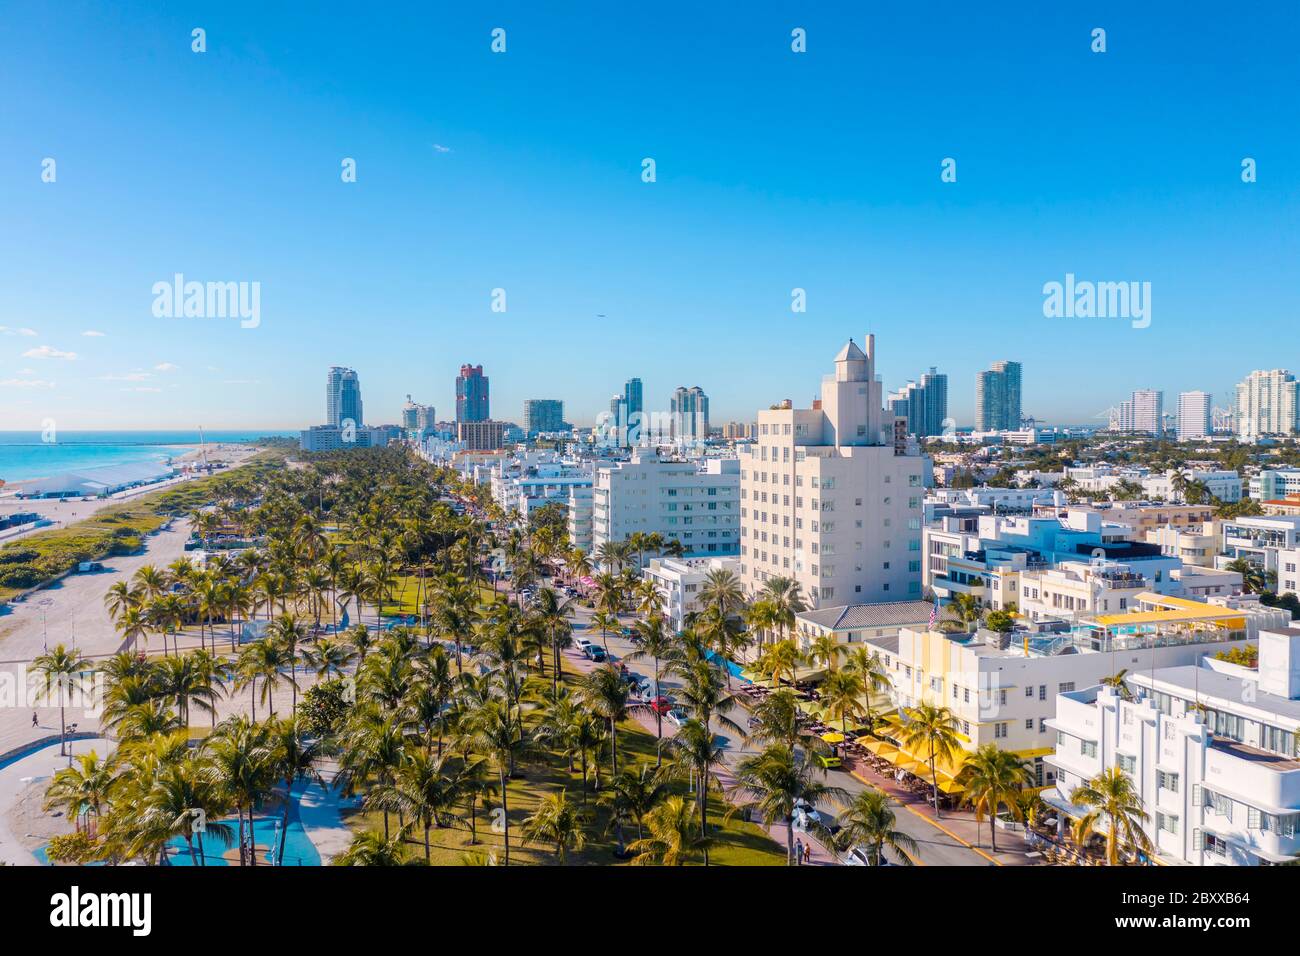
(49, 352)
(26, 383)
(142, 388)
(6, 330)
(439, 148)
(166, 367)
(136, 376)
(93, 334)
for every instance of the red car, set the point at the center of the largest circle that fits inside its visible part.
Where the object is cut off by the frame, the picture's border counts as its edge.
(661, 705)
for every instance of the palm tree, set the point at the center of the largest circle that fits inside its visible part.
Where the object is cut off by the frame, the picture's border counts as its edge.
(181, 795)
(370, 849)
(657, 644)
(558, 822)
(242, 764)
(631, 795)
(722, 590)
(294, 760)
(868, 821)
(673, 835)
(843, 695)
(776, 783)
(62, 667)
(935, 729)
(780, 661)
(784, 593)
(329, 657)
(1119, 683)
(994, 778)
(421, 791)
(606, 622)
(82, 788)
(287, 633)
(491, 731)
(605, 694)
(1113, 798)
(695, 755)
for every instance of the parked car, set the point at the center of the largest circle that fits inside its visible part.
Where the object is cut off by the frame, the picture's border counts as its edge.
(857, 856)
(661, 705)
(594, 652)
(805, 816)
(677, 716)
(581, 645)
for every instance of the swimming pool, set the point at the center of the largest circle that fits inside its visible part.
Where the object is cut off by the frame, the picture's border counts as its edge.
(298, 848)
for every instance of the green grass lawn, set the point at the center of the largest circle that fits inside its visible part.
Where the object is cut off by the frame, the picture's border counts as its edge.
(739, 843)
(404, 598)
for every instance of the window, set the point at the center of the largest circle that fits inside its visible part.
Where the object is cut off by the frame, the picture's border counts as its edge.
(1042, 692)
(999, 730)
(1029, 724)
(1029, 691)
(1065, 687)
(1126, 763)
(1167, 781)
(1167, 823)
(1088, 748)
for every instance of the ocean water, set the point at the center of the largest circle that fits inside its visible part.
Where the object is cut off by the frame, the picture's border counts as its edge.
(24, 455)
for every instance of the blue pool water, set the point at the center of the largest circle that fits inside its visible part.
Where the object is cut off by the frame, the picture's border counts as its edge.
(298, 848)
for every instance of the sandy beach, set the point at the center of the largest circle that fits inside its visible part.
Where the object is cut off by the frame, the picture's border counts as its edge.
(64, 511)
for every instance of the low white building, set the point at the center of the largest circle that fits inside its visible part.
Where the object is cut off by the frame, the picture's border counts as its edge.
(1211, 749)
(679, 580)
(856, 623)
(694, 502)
(1270, 542)
(1224, 485)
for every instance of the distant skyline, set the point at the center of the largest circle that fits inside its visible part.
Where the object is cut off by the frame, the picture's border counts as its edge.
(522, 171)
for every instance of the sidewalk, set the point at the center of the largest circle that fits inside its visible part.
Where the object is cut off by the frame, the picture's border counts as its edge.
(958, 824)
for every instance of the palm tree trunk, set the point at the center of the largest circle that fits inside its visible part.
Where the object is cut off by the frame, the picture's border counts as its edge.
(505, 814)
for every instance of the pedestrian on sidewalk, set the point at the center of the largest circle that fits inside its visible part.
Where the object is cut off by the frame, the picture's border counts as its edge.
(807, 852)
(34, 721)
(798, 851)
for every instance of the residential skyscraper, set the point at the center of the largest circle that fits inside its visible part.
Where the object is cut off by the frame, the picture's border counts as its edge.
(342, 397)
(472, 395)
(543, 415)
(633, 398)
(1194, 413)
(1267, 404)
(997, 398)
(831, 497)
(923, 405)
(416, 416)
(690, 413)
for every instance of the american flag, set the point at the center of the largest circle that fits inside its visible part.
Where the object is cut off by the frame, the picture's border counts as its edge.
(934, 613)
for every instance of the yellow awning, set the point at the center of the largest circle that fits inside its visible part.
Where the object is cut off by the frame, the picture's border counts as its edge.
(833, 738)
(881, 748)
(951, 786)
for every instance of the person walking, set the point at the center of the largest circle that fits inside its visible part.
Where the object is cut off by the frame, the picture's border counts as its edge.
(35, 723)
(807, 853)
(798, 851)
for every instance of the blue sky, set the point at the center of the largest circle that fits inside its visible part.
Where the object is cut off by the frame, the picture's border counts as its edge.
(522, 171)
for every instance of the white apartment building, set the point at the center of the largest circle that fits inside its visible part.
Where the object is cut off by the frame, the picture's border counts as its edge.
(1211, 748)
(1195, 546)
(1269, 541)
(1075, 588)
(1267, 403)
(1224, 485)
(695, 502)
(831, 496)
(1194, 416)
(679, 581)
(1274, 484)
(580, 513)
